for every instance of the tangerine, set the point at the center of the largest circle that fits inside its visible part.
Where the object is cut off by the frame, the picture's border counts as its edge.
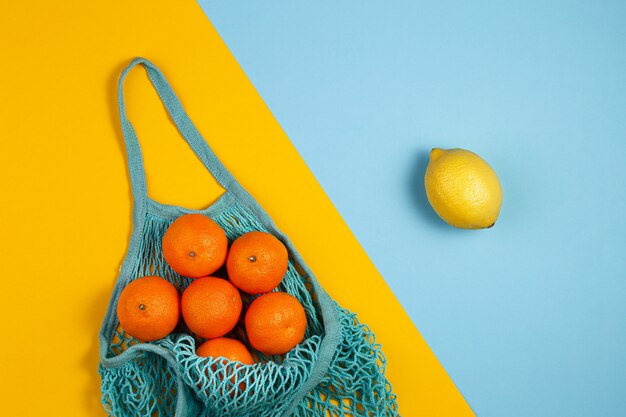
(232, 350)
(257, 262)
(194, 245)
(211, 307)
(224, 347)
(149, 308)
(275, 323)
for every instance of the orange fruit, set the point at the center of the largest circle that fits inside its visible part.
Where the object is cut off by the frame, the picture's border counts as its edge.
(223, 347)
(257, 262)
(211, 307)
(231, 349)
(149, 308)
(194, 245)
(275, 323)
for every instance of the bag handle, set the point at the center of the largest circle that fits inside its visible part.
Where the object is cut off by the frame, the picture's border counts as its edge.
(184, 125)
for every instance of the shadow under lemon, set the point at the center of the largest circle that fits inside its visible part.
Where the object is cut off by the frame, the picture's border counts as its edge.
(417, 191)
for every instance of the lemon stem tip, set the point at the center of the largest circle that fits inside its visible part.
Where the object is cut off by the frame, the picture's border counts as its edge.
(436, 153)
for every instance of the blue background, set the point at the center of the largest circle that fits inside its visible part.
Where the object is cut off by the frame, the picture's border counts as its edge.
(528, 318)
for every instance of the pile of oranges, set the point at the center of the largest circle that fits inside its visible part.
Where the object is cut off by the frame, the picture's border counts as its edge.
(149, 308)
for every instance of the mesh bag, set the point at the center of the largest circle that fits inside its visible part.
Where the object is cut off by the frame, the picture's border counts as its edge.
(337, 370)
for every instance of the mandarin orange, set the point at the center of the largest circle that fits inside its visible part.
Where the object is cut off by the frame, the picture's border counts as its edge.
(149, 308)
(211, 307)
(195, 246)
(257, 262)
(224, 347)
(275, 323)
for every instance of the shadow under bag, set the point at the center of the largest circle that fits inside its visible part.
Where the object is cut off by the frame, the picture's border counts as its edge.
(337, 370)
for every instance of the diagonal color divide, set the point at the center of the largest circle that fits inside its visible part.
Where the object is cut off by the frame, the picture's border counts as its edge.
(528, 318)
(69, 184)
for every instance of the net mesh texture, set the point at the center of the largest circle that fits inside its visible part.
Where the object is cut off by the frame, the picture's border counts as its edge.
(147, 385)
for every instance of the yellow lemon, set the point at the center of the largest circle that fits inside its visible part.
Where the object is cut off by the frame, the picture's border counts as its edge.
(463, 189)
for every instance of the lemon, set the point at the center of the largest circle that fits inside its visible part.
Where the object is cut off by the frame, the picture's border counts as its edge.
(463, 189)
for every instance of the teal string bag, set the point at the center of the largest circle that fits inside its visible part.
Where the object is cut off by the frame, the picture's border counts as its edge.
(337, 370)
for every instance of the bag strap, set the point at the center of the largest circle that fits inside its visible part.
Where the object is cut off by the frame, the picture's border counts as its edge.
(193, 138)
(183, 124)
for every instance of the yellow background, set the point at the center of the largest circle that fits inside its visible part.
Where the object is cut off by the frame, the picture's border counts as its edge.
(66, 203)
